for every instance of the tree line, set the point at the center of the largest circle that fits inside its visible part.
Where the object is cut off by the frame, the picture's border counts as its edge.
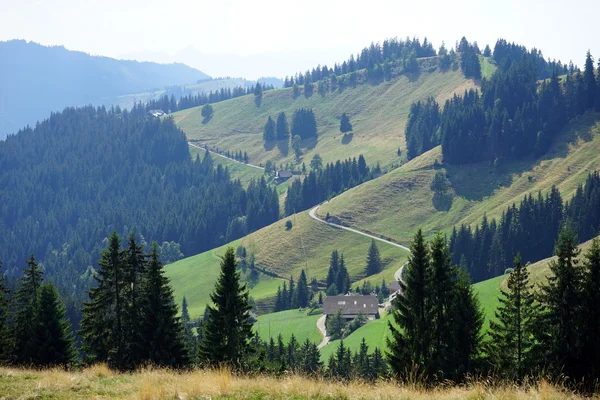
(72, 179)
(511, 118)
(322, 184)
(529, 229)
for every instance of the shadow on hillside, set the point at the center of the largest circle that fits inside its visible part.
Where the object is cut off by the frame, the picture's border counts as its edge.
(476, 181)
(284, 146)
(310, 143)
(269, 144)
(347, 138)
(206, 120)
(413, 76)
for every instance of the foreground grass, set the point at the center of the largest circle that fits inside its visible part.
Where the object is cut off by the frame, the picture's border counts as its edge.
(100, 383)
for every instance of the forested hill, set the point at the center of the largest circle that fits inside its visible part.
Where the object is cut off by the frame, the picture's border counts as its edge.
(37, 80)
(82, 173)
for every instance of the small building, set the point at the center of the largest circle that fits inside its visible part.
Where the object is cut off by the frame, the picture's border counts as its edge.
(282, 176)
(156, 113)
(351, 306)
(395, 290)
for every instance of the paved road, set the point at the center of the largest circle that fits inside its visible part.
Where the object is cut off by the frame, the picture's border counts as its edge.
(323, 330)
(221, 155)
(397, 274)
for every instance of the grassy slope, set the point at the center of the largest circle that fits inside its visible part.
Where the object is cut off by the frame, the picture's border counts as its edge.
(236, 170)
(400, 202)
(286, 323)
(377, 112)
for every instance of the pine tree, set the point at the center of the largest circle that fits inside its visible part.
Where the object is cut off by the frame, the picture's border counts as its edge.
(467, 319)
(269, 131)
(345, 125)
(5, 341)
(373, 260)
(188, 335)
(102, 317)
(283, 131)
(24, 314)
(310, 362)
(291, 303)
(378, 364)
(302, 291)
(409, 343)
(597, 100)
(589, 81)
(207, 111)
(512, 334)
(333, 268)
(228, 330)
(133, 274)
(343, 277)
(590, 315)
(561, 297)
(52, 343)
(442, 277)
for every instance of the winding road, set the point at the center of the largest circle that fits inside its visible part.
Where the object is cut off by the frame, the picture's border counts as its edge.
(397, 274)
(221, 155)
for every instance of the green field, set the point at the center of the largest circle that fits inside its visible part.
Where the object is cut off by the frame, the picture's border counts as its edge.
(378, 114)
(236, 170)
(400, 202)
(299, 323)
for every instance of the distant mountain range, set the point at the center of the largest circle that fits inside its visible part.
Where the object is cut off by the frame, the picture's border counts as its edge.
(36, 80)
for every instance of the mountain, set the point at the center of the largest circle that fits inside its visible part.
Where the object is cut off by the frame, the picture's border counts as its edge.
(37, 80)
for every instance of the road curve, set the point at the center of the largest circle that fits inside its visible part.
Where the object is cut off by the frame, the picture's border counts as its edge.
(323, 330)
(221, 155)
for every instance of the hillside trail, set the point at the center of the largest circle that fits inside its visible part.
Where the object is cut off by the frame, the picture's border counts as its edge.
(397, 274)
(221, 155)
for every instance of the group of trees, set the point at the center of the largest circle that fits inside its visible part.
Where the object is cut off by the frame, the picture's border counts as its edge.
(294, 357)
(77, 176)
(304, 124)
(513, 116)
(277, 130)
(297, 296)
(361, 365)
(322, 184)
(338, 278)
(33, 327)
(530, 229)
(237, 155)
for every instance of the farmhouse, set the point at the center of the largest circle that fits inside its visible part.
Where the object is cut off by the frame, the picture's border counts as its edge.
(156, 113)
(351, 306)
(395, 290)
(282, 176)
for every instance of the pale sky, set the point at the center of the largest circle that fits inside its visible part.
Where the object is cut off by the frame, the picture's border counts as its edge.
(261, 38)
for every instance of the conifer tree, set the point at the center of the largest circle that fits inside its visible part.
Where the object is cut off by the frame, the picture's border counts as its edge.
(465, 330)
(333, 268)
(561, 297)
(310, 362)
(291, 300)
(134, 269)
(102, 317)
(409, 343)
(597, 101)
(373, 260)
(4, 314)
(302, 291)
(269, 131)
(342, 277)
(590, 316)
(283, 131)
(162, 333)
(188, 335)
(378, 364)
(345, 125)
(24, 311)
(52, 343)
(228, 330)
(590, 81)
(207, 111)
(512, 334)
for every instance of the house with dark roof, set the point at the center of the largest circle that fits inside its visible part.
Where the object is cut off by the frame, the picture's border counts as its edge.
(395, 290)
(351, 306)
(282, 176)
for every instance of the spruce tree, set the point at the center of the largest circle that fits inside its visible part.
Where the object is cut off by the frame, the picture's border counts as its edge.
(228, 330)
(188, 335)
(512, 334)
(4, 314)
(373, 260)
(333, 268)
(589, 81)
(52, 343)
(269, 131)
(283, 131)
(561, 297)
(465, 330)
(134, 269)
(345, 125)
(102, 317)
(343, 277)
(409, 343)
(301, 293)
(590, 316)
(24, 311)
(162, 333)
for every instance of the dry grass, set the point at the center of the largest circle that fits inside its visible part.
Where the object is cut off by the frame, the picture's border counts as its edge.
(149, 384)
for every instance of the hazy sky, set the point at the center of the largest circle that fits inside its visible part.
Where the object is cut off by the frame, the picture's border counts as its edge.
(254, 38)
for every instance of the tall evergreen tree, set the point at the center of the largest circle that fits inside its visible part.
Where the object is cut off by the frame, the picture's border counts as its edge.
(590, 316)
(373, 260)
(134, 268)
(24, 311)
(345, 125)
(269, 131)
(512, 333)
(102, 321)
(342, 279)
(228, 330)
(301, 293)
(5, 341)
(409, 343)
(162, 332)
(283, 131)
(333, 268)
(52, 343)
(561, 297)
(465, 329)
(188, 335)
(589, 81)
